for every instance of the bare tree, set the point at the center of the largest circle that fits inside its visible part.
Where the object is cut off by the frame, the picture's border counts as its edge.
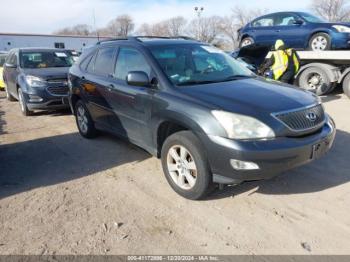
(158, 29)
(206, 29)
(239, 18)
(80, 29)
(171, 27)
(175, 26)
(242, 16)
(332, 10)
(122, 26)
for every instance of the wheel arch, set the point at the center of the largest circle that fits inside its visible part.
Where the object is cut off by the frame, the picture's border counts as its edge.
(325, 31)
(74, 98)
(172, 123)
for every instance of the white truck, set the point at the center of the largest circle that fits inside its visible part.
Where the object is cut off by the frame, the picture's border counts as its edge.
(320, 71)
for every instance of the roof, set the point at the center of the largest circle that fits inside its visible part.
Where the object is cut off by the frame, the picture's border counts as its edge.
(41, 49)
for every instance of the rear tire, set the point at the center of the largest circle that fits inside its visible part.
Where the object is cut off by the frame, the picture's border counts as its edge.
(23, 104)
(84, 121)
(346, 85)
(320, 42)
(315, 80)
(246, 41)
(185, 166)
(9, 97)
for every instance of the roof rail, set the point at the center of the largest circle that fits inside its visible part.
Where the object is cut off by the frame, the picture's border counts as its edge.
(116, 39)
(138, 38)
(166, 37)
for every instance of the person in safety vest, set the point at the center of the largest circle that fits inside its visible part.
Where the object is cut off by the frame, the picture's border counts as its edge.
(284, 63)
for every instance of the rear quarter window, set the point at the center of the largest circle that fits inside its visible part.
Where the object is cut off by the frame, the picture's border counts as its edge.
(263, 22)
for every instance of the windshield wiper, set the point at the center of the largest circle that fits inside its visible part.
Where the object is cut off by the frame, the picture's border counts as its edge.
(191, 83)
(230, 78)
(236, 77)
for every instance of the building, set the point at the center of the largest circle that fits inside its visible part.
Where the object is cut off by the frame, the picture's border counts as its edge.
(9, 41)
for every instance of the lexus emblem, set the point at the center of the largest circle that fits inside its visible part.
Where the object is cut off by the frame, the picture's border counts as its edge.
(311, 116)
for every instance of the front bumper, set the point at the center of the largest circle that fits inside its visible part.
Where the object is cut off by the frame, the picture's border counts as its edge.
(272, 156)
(47, 100)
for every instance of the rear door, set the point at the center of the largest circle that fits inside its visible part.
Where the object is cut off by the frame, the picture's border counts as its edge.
(132, 104)
(292, 34)
(96, 85)
(263, 30)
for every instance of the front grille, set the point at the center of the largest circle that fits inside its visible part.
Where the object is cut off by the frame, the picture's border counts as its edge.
(304, 119)
(59, 81)
(58, 90)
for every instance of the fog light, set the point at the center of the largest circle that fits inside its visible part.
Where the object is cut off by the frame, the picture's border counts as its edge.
(34, 98)
(243, 165)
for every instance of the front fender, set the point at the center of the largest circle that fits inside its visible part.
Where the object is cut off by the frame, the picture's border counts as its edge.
(22, 83)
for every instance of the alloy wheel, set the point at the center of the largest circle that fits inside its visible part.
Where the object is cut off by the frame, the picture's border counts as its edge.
(182, 167)
(319, 43)
(82, 119)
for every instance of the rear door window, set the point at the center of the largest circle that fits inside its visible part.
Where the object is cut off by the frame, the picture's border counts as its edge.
(264, 22)
(104, 63)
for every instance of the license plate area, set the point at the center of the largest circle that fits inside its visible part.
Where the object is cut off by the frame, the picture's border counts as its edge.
(320, 149)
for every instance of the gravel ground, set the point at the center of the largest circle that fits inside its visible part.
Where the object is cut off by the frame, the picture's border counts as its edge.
(62, 194)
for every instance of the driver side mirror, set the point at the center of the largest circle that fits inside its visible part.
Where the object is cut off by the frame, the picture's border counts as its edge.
(138, 78)
(10, 65)
(298, 22)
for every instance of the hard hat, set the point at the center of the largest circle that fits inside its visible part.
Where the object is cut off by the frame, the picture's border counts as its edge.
(279, 43)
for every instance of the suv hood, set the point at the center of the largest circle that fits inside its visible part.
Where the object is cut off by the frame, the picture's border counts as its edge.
(48, 73)
(251, 96)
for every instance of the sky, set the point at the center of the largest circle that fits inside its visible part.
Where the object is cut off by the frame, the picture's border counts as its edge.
(46, 16)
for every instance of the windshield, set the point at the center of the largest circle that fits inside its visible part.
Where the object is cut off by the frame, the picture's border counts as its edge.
(197, 64)
(311, 18)
(45, 59)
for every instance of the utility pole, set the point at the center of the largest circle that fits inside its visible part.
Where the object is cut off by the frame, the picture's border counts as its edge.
(199, 11)
(94, 19)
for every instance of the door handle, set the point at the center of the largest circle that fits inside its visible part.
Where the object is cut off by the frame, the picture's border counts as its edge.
(278, 31)
(110, 87)
(83, 77)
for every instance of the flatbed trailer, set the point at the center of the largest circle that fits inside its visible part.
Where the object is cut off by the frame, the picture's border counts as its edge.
(320, 71)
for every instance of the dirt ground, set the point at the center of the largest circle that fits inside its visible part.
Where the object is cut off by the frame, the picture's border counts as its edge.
(62, 194)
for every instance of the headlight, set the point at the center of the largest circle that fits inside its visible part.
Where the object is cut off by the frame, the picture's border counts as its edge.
(35, 81)
(342, 28)
(243, 127)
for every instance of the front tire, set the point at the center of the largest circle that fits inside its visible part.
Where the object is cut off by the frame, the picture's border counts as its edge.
(185, 165)
(320, 42)
(84, 121)
(23, 104)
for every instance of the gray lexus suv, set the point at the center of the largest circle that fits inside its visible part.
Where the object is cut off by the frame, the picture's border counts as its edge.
(207, 117)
